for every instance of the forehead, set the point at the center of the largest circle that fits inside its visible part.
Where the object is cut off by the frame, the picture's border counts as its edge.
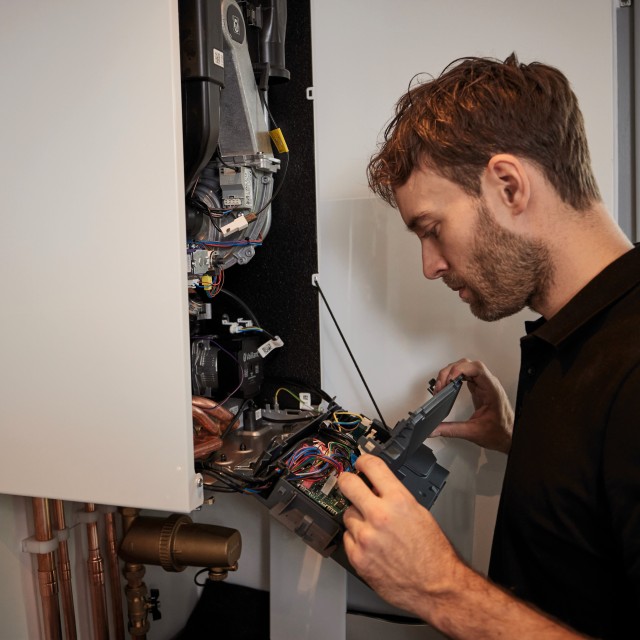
(427, 194)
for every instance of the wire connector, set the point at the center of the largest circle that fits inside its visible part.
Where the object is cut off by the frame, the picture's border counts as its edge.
(240, 223)
(238, 326)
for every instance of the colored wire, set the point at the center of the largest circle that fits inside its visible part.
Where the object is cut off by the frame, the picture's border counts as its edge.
(244, 305)
(216, 285)
(348, 425)
(228, 243)
(249, 329)
(275, 397)
(317, 461)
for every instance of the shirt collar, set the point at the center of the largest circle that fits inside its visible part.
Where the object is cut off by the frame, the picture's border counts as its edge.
(613, 282)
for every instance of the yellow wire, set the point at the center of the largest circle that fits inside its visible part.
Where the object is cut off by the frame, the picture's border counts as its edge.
(357, 416)
(275, 397)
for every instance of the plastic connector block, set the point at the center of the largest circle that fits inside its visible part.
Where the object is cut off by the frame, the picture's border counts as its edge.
(237, 225)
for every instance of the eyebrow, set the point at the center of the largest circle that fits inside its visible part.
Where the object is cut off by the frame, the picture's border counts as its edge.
(417, 221)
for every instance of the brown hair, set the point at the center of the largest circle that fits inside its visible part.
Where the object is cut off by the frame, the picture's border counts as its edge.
(476, 108)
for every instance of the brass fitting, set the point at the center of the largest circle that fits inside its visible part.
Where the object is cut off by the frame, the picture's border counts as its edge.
(177, 542)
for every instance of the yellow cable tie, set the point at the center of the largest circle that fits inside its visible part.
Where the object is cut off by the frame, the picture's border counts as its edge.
(278, 140)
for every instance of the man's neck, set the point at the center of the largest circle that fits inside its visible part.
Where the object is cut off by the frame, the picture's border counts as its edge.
(581, 246)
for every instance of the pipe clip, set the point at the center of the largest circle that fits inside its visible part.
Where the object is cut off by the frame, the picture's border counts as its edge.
(31, 545)
(86, 517)
(62, 534)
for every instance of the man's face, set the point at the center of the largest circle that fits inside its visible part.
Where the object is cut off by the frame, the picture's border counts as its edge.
(496, 271)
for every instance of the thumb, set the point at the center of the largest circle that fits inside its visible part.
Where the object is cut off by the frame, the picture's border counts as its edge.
(452, 430)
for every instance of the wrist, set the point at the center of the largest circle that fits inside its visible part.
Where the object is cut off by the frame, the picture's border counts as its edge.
(447, 594)
(472, 607)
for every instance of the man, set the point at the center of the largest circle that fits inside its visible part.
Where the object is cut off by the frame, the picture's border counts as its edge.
(488, 164)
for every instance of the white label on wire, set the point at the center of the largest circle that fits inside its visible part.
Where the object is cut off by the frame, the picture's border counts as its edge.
(305, 401)
(268, 347)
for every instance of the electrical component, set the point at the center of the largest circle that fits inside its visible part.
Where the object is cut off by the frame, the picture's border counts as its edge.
(292, 460)
(241, 222)
(228, 155)
(236, 185)
(200, 262)
(242, 373)
(205, 379)
(239, 325)
(207, 283)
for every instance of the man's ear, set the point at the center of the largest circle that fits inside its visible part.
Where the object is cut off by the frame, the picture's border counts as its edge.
(506, 182)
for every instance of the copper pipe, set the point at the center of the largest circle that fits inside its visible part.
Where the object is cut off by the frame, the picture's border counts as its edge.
(114, 575)
(47, 579)
(212, 425)
(211, 406)
(64, 569)
(204, 445)
(96, 580)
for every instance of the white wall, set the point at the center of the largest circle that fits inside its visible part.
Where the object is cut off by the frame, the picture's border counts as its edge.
(401, 328)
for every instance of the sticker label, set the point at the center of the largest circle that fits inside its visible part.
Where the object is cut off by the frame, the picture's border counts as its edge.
(268, 347)
(218, 58)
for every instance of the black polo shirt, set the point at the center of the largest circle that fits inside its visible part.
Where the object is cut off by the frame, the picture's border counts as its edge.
(567, 535)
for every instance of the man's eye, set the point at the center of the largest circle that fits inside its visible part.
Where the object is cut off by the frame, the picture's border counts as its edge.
(431, 232)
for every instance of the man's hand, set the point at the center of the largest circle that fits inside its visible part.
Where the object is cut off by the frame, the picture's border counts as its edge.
(398, 548)
(392, 541)
(491, 424)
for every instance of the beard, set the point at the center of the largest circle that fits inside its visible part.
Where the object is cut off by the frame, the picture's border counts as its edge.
(505, 273)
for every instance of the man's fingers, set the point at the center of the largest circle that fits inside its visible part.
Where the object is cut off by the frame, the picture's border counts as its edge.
(454, 430)
(463, 367)
(356, 491)
(380, 478)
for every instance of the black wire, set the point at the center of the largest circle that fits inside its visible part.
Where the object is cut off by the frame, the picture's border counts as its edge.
(285, 165)
(199, 573)
(344, 437)
(250, 313)
(215, 224)
(232, 475)
(227, 482)
(350, 354)
(235, 419)
(242, 304)
(218, 155)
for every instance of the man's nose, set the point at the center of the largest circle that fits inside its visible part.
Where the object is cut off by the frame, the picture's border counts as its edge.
(433, 264)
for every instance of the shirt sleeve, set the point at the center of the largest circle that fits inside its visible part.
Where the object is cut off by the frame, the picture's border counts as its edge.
(621, 475)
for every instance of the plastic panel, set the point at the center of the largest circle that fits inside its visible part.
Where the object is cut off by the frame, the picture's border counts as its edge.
(94, 391)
